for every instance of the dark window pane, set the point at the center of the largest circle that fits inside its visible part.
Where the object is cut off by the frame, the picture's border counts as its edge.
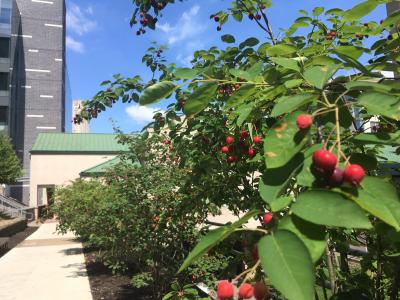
(4, 47)
(3, 115)
(5, 15)
(4, 81)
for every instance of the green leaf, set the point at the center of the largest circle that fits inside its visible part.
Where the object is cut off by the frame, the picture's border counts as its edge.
(228, 38)
(318, 75)
(275, 180)
(381, 104)
(368, 86)
(240, 73)
(250, 42)
(214, 237)
(293, 83)
(360, 10)
(288, 265)
(313, 236)
(242, 94)
(287, 104)
(305, 176)
(281, 50)
(353, 63)
(186, 73)
(280, 203)
(317, 11)
(381, 138)
(331, 209)
(350, 51)
(200, 98)
(157, 92)
(368, 162)
(287, 63)
(380, 199)
(283, 141)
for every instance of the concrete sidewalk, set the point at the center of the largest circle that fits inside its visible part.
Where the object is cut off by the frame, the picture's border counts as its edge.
(45, 266)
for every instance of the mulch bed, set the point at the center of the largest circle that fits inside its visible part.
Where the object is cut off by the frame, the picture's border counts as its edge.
(106, 286)
(15, 239)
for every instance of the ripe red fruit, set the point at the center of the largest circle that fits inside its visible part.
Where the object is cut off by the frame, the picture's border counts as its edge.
(216, 18)
(244, 134)
(232, 159)
(304, 121)
(336, 178)
(258, 17)
(229, 140)
(332, 33)
(267, 218)
(246, 291)
(354, 174)
(324, 160)
(251, 152)
(257, 139)
(260, 291)
(225, 149)
(224, 290)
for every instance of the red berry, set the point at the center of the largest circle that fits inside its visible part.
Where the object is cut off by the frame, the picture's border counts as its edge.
(216, 18)
(244, 134)
(229, 140)
(251, 152)
(304, 121)
(260, 291)
(224, 290)
(267, 218)
(324, 160)
(166, 142)
(232, 159)
(354, 174)
(258, 17)
(225, 149)
(336, 178)
(257, 139)
(332, 33)
(246, 291)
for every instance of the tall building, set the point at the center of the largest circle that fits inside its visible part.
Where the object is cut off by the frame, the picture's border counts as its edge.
(32, 76)
(82, 127)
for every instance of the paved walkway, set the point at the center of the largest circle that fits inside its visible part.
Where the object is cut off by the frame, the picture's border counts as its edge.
(45, 266)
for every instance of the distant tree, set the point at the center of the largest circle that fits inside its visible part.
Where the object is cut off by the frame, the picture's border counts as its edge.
(10, 166)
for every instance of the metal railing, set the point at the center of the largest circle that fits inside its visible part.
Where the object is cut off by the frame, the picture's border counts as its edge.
(14, 209)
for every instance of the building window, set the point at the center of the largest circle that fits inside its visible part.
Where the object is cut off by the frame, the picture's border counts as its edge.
(3, 118)
(4, 47)
(4, 84)
(5, 11)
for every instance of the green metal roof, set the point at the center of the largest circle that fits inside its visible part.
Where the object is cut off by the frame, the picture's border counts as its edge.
(77, 143)
(102, 168)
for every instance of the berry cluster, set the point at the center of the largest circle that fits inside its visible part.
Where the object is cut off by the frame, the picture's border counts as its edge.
(233, 151)
(325, 163)
(226, 290)
(228, 89)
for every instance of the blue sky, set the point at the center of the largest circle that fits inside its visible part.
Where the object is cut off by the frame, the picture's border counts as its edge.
(101, 43)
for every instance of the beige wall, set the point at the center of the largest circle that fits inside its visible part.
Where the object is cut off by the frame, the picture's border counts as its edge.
(61, 169)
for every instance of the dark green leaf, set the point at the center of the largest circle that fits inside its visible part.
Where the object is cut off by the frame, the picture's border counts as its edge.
(313, 236)
(331, 209)
(283, 142)
(350, 51)
(200, 98)
(157, 92)
(280, 203)
(250, 42)
(317, 76)
(186, 73)
(242, 94)
(281, 50)
(228, 38)
(368, 86)
(288, 265)
(287, 104)
(287, 63)
(368, 162)
(381, 104)
(360, 10)
(382, 138)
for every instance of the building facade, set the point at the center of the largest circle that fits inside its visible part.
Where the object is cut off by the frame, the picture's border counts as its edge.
(32, 76)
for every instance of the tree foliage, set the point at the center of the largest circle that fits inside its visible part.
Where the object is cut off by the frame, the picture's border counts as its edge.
(10, 165)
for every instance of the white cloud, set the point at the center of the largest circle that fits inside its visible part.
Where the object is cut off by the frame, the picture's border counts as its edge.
(75, 45)
(141, 114)
(187, 27)
(79, 20)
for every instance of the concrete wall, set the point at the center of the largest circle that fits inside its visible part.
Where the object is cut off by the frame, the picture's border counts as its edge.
(38, 76)
(59, 170)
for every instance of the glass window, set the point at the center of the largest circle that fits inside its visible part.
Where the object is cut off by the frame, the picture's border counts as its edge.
(4, 85)
(5, 15)
(3, 115)
(4, 47)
